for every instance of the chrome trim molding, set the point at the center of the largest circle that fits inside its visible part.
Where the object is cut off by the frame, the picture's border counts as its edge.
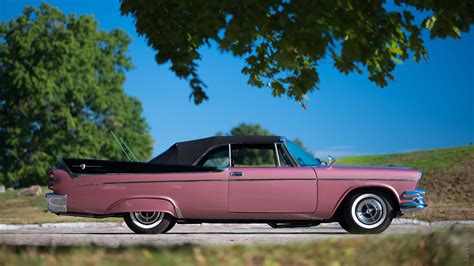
(417, 203)
(230, 155)
(254, 179)
(277, 155)
(164, 181)
(178, 213)
(210, 180)
(367, 179)
(218, 170)
(56, 203)
(274, 179)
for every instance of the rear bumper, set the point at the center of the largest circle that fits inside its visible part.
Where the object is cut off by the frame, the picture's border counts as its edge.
(417, 201)
(56, 203)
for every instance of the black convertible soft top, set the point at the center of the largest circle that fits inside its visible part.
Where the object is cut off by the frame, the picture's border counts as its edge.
(187, 152)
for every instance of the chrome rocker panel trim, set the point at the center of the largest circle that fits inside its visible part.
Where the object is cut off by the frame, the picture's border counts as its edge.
(56, 203)
(417, 204)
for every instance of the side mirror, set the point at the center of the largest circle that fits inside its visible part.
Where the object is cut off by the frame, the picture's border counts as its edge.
(331, 160)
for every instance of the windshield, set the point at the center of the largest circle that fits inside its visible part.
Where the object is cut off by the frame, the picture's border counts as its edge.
(301, 156)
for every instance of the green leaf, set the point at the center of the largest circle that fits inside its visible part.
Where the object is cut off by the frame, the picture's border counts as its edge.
(281, 38)
(62, 93)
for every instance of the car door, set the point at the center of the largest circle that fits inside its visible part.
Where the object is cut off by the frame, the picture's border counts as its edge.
(259, 182)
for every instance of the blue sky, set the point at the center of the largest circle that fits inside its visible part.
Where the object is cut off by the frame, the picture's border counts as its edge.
(429, 105)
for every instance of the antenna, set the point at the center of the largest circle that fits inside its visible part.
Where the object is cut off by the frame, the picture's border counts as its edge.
(121, 147)
(129, 150)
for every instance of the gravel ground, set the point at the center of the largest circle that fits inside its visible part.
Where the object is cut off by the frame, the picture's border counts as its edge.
(117, 234)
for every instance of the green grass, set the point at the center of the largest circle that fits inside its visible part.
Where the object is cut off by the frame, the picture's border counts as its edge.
(426, 160)
(452, 246)
(16, 209)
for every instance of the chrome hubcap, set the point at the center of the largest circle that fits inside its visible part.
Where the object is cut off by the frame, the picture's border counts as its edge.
(147, 218)
(369, 211)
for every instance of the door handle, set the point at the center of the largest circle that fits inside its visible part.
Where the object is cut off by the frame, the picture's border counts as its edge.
(236, 173)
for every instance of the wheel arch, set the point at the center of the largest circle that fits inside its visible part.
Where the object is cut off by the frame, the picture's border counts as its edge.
(387, 190)
(145, 203)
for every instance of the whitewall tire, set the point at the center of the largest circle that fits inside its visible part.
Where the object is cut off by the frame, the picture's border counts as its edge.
(149, 222)
(367, 212)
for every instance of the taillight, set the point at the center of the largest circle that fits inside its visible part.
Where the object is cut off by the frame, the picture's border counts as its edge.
(51, 179)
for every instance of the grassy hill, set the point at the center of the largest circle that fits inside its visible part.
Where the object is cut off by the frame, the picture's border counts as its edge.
(448, 179)
(426, 160)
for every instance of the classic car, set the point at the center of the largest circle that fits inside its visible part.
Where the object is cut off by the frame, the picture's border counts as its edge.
(235, 179)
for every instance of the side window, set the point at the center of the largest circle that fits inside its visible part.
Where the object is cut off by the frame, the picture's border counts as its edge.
(261, 155)
(218, 157)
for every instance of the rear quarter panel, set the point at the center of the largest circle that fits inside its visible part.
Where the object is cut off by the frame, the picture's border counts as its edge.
(195, 194)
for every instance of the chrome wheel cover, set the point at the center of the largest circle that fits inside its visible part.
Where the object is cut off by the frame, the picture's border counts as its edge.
(369, 211)
(147, 219)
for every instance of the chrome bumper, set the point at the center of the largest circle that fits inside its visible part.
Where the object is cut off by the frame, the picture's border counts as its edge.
(417, 203)
(56, 203)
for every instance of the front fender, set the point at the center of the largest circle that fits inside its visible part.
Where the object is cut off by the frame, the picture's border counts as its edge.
(374, 185)
(144, 204)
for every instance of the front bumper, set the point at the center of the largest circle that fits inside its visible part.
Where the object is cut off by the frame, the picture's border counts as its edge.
(56, 203)
(417, 203)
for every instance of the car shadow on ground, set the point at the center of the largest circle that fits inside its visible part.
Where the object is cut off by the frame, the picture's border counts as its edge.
(175, 233)
(256, 233)
(195, 233)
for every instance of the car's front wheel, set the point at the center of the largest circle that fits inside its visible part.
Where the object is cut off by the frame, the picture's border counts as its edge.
(149, 222)
(367, 213)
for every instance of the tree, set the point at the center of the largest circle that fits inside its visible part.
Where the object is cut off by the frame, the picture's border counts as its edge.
(61, 93)
(244, 129)
(284, 41)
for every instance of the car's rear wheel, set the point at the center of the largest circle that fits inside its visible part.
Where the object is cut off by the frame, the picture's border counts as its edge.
(149, 222)
(367, 213)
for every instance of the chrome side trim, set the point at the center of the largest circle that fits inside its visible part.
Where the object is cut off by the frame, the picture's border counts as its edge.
(252, 179)
(165, 181)
(56, 203)
(210, 180)
(218, 170)
(273, 179)
(367, 179)
(178, 213)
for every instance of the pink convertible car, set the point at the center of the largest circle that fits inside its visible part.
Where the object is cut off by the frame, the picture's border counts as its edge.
(235, 179)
